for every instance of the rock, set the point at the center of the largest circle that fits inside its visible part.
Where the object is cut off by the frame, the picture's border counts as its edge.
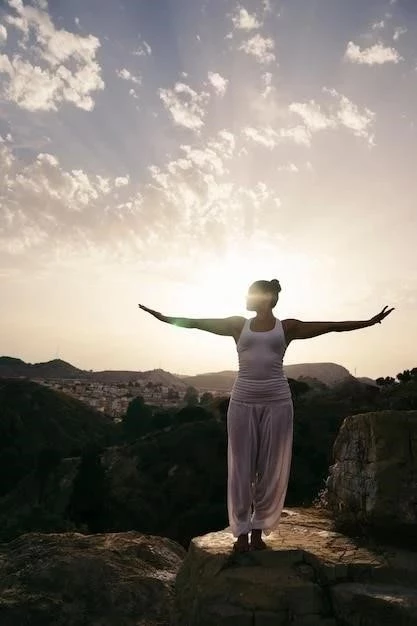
(295, 581)
(225, 615)
(71, 579)
(373, 481)
(363, 604)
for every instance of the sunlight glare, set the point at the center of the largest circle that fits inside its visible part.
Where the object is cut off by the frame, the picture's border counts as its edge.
(219, 287)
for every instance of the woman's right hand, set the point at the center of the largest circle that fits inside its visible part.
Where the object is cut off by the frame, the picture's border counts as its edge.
(156, 314)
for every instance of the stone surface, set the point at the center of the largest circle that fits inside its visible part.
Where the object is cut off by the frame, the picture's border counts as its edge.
(293, 582)
(359, 604)
(71, 579)
(373, 480)
(225, 615)
(266, 618)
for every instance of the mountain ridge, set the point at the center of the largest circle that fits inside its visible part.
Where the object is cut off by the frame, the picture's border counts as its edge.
(325, 372)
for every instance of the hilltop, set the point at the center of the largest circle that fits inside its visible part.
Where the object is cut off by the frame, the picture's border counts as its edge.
(325, 373)
(11, 368)
(35, 419)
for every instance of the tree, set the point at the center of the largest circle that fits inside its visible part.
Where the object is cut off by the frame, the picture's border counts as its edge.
(13, 466)
(192, 414)
(385, 381)
(162, 419)
(138, 419)
(206, 398)
(405, 376)
(220, 407)
(298, 387)
(90, 492)
(173, 394)
(191, 396)
(47, 461)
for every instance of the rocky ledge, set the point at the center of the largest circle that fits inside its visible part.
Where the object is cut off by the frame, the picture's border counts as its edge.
(372, 483)
(310, 575)
(71, 579)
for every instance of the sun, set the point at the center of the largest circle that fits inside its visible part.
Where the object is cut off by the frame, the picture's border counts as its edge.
(219, 286)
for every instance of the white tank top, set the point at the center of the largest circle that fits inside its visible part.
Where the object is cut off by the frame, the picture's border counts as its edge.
(261, 377)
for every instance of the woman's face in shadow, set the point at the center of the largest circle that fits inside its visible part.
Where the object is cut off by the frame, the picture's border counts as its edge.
(257, 299)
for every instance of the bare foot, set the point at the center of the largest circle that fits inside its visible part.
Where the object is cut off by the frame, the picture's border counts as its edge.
(242, 544)
(256, 541)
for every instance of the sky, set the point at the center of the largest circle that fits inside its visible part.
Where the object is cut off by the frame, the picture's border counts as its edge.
(170, 153)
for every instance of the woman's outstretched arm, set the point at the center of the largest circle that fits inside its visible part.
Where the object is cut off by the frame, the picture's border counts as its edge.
(218, 326)
(296, 329)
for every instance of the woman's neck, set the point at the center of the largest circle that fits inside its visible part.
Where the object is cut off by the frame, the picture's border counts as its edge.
(264, 316)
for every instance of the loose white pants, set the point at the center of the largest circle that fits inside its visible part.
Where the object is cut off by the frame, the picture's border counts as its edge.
(260, 441)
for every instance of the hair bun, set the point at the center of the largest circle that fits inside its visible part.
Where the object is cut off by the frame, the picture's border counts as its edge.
(275, 284)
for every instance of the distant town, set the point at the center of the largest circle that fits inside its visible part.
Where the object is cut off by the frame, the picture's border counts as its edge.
(111, 391)
(114, 398)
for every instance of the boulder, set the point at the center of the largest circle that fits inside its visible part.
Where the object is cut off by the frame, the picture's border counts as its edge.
(309, 576)
(72, 579)
(373, 480)
(366, 603)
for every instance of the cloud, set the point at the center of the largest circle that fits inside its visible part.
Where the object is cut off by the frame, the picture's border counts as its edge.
(3, 35)
(349, 115)
(191, 203)
(126, 75)
(259, 47)
(185, 105)
(184, 181)
(267, 7)
(378, 25)
(298, 134)
(267, 81)
(267, 136)
(68, 71)
(340, 112)
(401, 30)
(312, 115)
(142, 50)
(243, 20)
(41, 203)
(204, 205)
(346, 113)
(218, 82)
(336, 112)
(374, 55)
(289, 167)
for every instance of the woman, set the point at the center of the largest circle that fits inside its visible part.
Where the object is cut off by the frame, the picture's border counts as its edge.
(260, 413)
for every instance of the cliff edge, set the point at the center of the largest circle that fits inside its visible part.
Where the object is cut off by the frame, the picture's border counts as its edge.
(310, 575)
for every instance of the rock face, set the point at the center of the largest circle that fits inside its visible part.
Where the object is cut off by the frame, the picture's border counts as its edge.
(309, 576)
(373, 480)
(113, 579)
